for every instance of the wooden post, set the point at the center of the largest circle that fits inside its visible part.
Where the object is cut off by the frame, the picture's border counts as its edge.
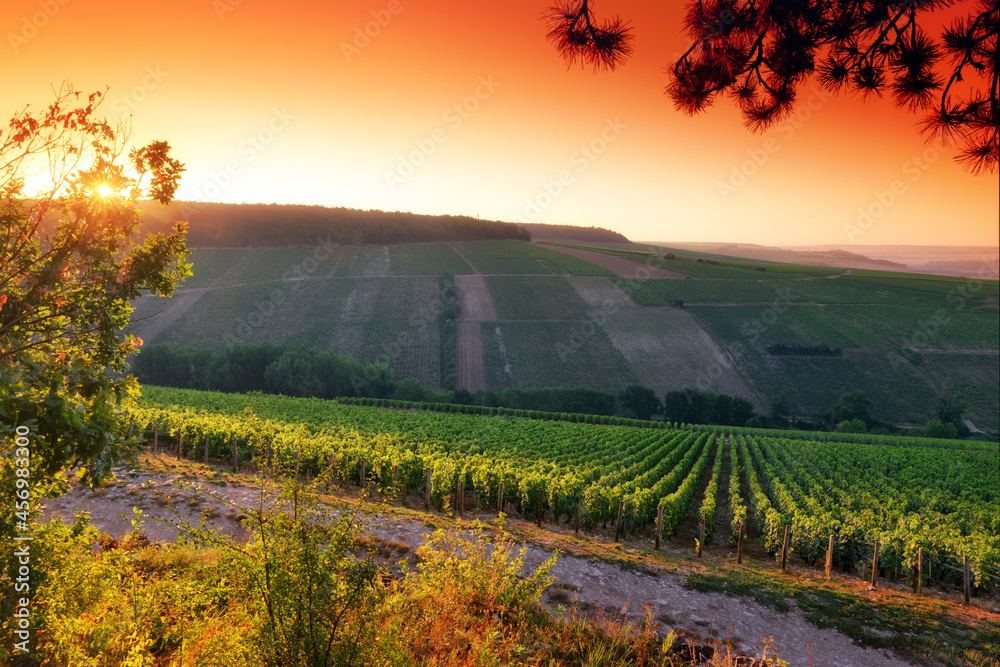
(395, 477)
(130, 420)
(579, 511)
(298, 456)
(236, 458)
(701, 538)
(206, 449)
(739, 546)
(500, 499)
(618, 521)
(966, 582)
(784, 546)
(460, 498)
(920, 569)
(180, 433)
(659, 524)
(875, 565)
(538, 514)
(427, 492)
(363, 478)
(829, 557)
(156, 436)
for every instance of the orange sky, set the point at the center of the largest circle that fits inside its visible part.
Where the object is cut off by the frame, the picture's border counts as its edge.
(264, 103)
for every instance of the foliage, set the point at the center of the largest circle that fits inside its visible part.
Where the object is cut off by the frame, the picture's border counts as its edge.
(641, 401)
(706, 407)
(228, 225)
(762, 54)
(70, 262)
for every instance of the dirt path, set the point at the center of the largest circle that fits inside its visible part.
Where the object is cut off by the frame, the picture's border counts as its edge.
(469, 365)
(595, 585)
(723, 512)
(625, 268)
(475, 305)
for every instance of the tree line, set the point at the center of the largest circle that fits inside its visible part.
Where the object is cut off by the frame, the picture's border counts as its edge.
(310, 373)
(240, 225)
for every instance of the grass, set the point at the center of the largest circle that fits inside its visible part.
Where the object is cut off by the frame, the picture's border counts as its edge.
(922, 628)
(535, 298)
(208, 264)
(783, 323)
(930, 629)
(519, 257)
(564, 354)
(430, 259)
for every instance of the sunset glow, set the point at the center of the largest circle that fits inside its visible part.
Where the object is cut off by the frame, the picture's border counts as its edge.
(443, 107)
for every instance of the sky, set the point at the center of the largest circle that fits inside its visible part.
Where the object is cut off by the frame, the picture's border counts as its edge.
(465, 108)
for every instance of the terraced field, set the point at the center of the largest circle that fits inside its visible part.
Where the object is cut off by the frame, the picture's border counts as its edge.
(531, 316)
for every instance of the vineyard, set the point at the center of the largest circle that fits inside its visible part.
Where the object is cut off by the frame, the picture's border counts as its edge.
(933, 499)
(908, 341)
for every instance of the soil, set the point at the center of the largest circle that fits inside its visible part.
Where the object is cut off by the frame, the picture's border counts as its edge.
(475, 305)
(622, 267)
(588, 584)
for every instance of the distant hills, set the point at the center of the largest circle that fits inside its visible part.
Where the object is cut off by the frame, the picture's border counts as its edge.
(975, 261)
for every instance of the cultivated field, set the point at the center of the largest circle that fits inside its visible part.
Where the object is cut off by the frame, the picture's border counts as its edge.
(532, 315)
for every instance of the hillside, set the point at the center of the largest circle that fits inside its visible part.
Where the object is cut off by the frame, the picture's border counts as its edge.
(541, 231)
(274, 225)
(534, 315)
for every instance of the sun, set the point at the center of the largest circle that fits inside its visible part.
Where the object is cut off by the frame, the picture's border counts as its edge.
(104, 190)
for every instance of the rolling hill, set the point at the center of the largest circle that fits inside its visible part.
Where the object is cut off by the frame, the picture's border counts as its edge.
(605, 317)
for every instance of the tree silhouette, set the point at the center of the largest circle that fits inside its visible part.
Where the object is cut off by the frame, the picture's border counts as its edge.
(760, 53)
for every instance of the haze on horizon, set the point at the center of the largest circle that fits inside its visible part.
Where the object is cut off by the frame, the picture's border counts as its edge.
(439, 108)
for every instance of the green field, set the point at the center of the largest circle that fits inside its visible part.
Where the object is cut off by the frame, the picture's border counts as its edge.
(518, 257)
(430, 259)
(939, 496)
(783, 323)
(379, 303)
(564, 354)
(536, 298)
(724, 291)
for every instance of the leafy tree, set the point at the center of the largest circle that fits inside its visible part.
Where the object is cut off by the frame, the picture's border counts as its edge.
(853, 405)
(762, 53)
(951, 411)
(852, 426)
(935, 428)
(70, 262)
(640, 400)
(409, 389)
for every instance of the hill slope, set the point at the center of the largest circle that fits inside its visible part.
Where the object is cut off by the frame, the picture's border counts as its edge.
(530, 315)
